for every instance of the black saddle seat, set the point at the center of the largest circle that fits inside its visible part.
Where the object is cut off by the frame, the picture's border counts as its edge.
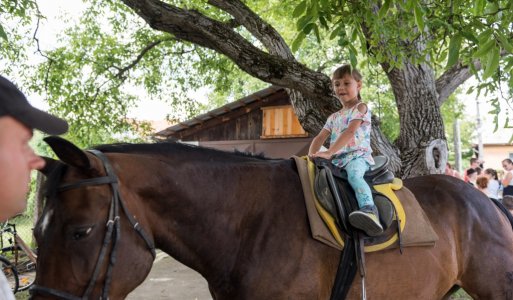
(380, 163)
(378, 174)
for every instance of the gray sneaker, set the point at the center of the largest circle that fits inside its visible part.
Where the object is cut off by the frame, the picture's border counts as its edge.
(367, 219)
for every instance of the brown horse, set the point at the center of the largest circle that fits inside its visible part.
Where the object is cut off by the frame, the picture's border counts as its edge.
(241, 222)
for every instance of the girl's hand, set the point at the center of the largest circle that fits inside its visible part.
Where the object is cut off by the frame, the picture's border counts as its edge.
(323, 154)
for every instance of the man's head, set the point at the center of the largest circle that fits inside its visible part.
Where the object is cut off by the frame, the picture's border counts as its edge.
(471, 174)
(476, 162)
(17, 120)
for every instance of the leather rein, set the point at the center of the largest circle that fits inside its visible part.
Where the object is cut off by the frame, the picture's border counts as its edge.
(112, 235)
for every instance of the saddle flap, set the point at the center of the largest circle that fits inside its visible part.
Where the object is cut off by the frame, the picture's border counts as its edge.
(323, 193)
(386, 209)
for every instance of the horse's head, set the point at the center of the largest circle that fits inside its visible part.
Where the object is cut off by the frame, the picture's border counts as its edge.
(90, 246)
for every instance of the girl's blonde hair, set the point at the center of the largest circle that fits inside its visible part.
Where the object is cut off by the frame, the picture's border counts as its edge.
(347, 70)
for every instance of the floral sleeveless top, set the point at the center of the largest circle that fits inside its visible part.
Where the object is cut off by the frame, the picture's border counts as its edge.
(359, 145)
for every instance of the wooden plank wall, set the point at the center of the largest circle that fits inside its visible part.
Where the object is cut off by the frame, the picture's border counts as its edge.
(281, 122)
(247, 126)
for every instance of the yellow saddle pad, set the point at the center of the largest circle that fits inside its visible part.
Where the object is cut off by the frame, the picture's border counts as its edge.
(408, 210)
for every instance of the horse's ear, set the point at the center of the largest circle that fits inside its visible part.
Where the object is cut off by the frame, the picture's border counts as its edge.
(50, 165)
(68, 152)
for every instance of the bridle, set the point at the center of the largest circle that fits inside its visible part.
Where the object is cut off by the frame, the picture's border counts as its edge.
(112, 235)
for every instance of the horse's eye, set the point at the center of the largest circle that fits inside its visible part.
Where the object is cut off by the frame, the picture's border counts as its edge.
(81, 233)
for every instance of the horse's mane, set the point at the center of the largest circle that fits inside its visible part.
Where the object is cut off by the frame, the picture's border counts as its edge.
(166, 148)
(160, 149)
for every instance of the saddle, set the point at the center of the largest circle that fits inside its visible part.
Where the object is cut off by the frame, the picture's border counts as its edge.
(331, 187)
(335, 195)
(329, 206)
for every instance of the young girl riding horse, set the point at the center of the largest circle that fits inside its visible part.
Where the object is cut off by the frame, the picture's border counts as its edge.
(349, 132)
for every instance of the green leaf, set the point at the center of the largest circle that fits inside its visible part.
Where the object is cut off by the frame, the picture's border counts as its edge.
(504, 42)
(469, 36)
(508, 66)
(337, 31)
(323, 22)
(485, 36)
(308, 28)
(352, 55)
(314, 9)
(325, 4)
(303, 21)
(297, 42)
(354, 34)
(3, 35)
(316, 32)
(492, 62)
(442, 56)
(384, 9)
(300, 9)
(342, 42)
(483, 49)
(454, 50)
(479, 6)
(491, 8)
(419, 17)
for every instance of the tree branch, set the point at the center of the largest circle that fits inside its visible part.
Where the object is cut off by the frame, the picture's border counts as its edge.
(451, 79)
(263, 31)
(192, 26)
(140, 56)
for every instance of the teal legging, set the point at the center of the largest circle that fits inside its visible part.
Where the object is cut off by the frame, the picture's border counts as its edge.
(356, 168)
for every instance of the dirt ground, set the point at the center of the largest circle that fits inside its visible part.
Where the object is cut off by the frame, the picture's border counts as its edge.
(170, 279)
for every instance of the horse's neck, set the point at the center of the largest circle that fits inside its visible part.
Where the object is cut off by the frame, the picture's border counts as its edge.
(204, 215)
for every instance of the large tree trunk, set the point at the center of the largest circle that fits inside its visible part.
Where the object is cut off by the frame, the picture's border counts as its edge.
(421, 143)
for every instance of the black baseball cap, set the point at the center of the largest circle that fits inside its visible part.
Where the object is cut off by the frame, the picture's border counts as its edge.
(14, 104)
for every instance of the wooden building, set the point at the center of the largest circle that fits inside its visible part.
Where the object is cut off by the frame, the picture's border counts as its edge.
(261, 123)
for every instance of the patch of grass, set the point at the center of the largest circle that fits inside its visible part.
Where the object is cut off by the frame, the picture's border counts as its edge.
(460, 295)
(22, 295)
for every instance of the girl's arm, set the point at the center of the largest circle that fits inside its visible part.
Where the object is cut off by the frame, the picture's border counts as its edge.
(346, 136)
(318, 141)
(507, 179)
(343, 139)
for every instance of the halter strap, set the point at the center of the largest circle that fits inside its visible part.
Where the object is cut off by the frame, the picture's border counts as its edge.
(112, 234)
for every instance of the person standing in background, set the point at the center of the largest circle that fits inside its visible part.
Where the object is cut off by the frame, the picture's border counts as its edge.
(482, 185)
(474, 163)
(451, 172)
(471, 176)
(494, 186)
(507, 180)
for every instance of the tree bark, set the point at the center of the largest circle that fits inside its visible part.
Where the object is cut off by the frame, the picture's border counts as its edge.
(39, 197)
(421, 142)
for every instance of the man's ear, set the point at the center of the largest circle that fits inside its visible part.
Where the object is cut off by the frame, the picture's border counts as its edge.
(68, 152)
